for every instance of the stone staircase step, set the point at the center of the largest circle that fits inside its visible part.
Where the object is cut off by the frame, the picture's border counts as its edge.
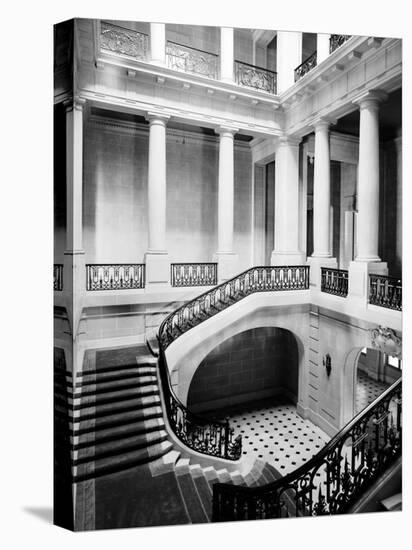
(153, 345)
(194, 506)
(224, 476)
(115, 396)
(113, 448)
(106, 369)
(204, 492)
(111, 434)
(123, 374)
(165, 464)
(393, 503)
(182, 466)
(117, 419)
(109, 465)
(237, 478)
(146, 360)
(114, 385)
(116, 407)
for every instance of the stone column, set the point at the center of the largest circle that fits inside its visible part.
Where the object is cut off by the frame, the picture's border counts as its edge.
(226, 54)
(156, 258)
(158, 43)
(322, 47)
(289, 56)
(322, 255)
(286, 251)
(367, 232)
(74, 275)
(225, 255)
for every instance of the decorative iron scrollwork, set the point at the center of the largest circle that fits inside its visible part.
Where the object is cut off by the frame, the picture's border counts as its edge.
(255, 77)
(337, 40)
(385, 291)
(334, 281)
(115, 276)
(191, 60)
(123, 41)
(194, 274)
(306, 66)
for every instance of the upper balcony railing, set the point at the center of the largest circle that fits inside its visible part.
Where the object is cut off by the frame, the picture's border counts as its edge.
(191, 60)
(202, 435)
(309, 63)
(116, 39)
(115, 276)
(385, 291)
(255, 77)
(337, 40)
(334, 281)
(194, 274)
(58, 277)
(333, 480)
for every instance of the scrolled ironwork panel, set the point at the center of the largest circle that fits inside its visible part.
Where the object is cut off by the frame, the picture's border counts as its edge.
(115, 276)
(306, 66)
(123, 41)
(191, 60)
(335, 281)
(337, 40)
(255, 77)
(385, 291)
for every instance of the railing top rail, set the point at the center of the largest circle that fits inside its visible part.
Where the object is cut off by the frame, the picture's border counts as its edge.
(387, 277)
(191, 48)
(193, 263)
(306, 60)
(340, 436)
(334, 269)
(255, 67)
(114, 264)
(225, 283)
(102, 22)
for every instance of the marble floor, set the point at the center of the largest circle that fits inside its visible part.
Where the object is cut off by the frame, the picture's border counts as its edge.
(367, 390)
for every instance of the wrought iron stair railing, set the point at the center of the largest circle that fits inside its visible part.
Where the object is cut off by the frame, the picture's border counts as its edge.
(334, 281)
(309, 63)
(385, 291)
(350, 463)
(336, 40)
(198, 433)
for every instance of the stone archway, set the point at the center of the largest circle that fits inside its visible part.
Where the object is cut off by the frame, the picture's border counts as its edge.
(255, 364)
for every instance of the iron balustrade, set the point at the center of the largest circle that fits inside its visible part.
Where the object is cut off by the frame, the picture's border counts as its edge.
(337, 40)
(332, 481)
(197, 432)
(252, 76)
(385, 291)
(193, 274)
(334, 281)
(116, 39)
(115, 276)
(255, 279)
(57, 276)
(202, 435)
(191, 60)
(309, 63)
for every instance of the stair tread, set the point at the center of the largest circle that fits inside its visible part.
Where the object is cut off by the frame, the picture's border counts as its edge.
(116, 396)
(100, 387)
(116, 407)
(205, 494)
(127, 429)
(107, 465)
(116, 419)
(192, 499)
(122, 446)
(123, 374)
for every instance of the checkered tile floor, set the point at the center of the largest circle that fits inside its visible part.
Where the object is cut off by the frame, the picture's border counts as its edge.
(367, 390)
(276, 433)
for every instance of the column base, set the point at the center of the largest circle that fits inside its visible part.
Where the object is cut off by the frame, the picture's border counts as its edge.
(359, 278)
(157, 270)
(287, 258)
(227, 265)
(316, 263)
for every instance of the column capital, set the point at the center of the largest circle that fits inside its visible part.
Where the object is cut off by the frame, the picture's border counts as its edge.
(157, 118)
(287, 141)
(370, 99)
(76, 103)
(322, 123)
(226, 130)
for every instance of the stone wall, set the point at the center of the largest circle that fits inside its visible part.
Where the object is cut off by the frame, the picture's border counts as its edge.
(260, 359)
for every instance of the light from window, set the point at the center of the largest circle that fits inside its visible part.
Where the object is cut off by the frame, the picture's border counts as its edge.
(394, 362)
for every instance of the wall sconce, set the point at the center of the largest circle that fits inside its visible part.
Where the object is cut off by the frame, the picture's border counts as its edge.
(327, 363)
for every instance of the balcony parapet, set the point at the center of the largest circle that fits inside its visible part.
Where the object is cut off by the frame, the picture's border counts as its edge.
(385, 292)
(125, 42)
(193, 274)
(309, 63)
(252, 76)
(115, 276)
(334, 281)
(192, 60)
(336, 40)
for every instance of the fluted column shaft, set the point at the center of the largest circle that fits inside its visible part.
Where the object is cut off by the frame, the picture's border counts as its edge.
(321, 192)
(157, 183)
